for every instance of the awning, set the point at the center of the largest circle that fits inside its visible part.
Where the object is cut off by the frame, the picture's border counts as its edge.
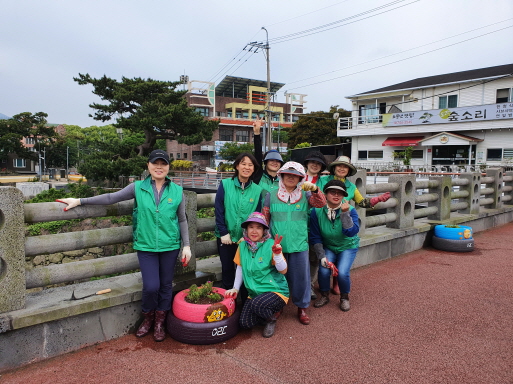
(395, 141)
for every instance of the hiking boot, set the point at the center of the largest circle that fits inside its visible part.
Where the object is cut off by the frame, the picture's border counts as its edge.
(303, 317)
(269, 328)
(344, 302)
(323, 300)
(159, 334)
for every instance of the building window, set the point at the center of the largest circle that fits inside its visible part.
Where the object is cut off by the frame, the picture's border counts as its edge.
(238, 114)
(225, 135)
(508, 153)
(200, 155)
(178, 155)
(417, 154)
(494, 154)
(242, 136)
(450, 101)
(370, 155)
(19, 163)
(30, 140)
(185, 155)
(203, 111)
(504, 95)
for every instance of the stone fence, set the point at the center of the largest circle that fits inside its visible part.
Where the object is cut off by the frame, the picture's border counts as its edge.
(50, 320)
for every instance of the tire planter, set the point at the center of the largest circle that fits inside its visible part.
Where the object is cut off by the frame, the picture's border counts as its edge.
(461, 233)
(203, 333)
(465, 245)
(202, 313)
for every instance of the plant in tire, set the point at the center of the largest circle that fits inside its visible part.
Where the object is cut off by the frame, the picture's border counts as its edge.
(204, 294)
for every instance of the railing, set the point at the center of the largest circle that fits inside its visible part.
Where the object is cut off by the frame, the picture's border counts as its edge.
(353, 121)
(468, 194)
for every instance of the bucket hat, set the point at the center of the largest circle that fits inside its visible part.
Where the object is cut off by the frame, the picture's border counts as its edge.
(255, 217)
(345, 161)
(292, 168)
(315, 156)
(273, 155)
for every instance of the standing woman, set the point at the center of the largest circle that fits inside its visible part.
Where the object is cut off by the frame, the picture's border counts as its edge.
(267, 176)
(287, 211)
(236, 199)
(340, 170)
(159, 223)
(333, 234)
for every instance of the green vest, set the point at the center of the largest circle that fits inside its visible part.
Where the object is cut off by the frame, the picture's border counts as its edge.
(268, 184)
(331, 232)
(260, 275)
(291, 222)
(238, 205)
(350, 187)
(156, 229)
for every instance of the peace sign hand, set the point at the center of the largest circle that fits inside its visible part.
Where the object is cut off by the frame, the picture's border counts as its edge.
(276, 245)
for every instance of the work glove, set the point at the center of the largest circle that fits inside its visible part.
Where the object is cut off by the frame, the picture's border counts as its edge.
(257, 124)
(308, 186)
(186, 255)
(276, 245)
(226, 239)
(231, 293)
(328, 264)
(71, 203)
(379, 199)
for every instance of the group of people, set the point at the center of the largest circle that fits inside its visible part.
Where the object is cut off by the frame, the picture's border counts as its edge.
(278, 228)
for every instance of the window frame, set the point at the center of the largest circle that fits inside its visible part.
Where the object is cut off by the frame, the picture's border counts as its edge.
(494, 158)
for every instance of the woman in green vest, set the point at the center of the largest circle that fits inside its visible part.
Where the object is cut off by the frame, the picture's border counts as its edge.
(334, 236)
(287, 211)
(341, 169)
(159, 229)
(236, 199)
(261, 266)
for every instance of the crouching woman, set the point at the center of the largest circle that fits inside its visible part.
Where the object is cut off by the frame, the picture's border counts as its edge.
(261, 267)
(333, 234)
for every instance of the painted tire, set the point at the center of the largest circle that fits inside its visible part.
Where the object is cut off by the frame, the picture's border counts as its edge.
(451, 245)
(461, 233)
(202, 333)
(202, 313)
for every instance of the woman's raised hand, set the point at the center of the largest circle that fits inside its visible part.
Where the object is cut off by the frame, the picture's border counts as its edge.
(276, 245)
(257, 124)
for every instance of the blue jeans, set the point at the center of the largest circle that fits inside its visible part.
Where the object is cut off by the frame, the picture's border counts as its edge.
(343, 262)
(157, 270)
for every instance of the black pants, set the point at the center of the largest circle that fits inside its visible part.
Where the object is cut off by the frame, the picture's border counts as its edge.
(228, 267)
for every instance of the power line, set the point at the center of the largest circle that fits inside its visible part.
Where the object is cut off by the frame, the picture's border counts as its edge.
(407, 58)
(306, 14)
(398, 53)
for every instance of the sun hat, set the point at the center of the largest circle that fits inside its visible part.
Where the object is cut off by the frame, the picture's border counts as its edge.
(292, 168)
(316, 156)
(273, 154)
(345, 161)
(158, 154)
(335, 184)
(255, 217)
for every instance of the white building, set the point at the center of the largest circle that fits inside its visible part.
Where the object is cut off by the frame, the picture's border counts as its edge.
(462, 118)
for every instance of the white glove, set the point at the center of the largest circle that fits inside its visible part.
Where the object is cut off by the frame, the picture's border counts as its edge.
(308, 186)
(226, 239)
(324, 262)
(186, 255)
(71, 202)
(231, 293)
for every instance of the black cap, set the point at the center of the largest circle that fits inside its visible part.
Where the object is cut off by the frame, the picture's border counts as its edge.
(316, 156)
(335, 184)
(158, 154)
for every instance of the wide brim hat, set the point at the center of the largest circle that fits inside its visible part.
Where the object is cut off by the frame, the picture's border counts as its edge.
(255, 217)
(342, 160)
(318, 157)
(335, 184)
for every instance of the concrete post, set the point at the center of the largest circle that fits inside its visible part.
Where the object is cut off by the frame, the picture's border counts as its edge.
(509, 184)
(405, 196)
(360, 180)
(443, 203)
(497, 174)
(12, 250)
(473, 188)
(190, 211)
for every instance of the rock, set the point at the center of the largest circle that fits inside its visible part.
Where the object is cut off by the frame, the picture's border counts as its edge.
(55, 258)
(67, 260)
(40, 259)
(96, 250)
(77, 253)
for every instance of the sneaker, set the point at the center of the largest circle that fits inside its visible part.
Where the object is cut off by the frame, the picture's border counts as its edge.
(269, 328)
(323, 300)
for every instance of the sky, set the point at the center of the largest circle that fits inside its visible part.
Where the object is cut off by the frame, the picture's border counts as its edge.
(352, 46)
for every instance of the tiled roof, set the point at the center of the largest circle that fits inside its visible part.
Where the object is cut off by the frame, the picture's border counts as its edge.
(455, 77)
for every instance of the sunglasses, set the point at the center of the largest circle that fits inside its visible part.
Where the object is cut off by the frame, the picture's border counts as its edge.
(335, 192)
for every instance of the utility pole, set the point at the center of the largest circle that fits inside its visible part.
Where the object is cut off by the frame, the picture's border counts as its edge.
(267, 132)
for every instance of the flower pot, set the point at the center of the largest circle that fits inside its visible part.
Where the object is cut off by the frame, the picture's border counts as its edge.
(202, 313)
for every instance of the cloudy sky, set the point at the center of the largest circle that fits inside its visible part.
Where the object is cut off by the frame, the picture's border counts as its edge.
(350, 46)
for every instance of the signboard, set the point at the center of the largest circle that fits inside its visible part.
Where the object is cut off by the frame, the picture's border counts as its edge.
(450, 115)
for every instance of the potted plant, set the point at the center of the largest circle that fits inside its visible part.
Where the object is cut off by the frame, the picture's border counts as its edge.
(202, 315)
(405, 156)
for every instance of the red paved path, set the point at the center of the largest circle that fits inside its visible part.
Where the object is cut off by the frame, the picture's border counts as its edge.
(424, 317)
